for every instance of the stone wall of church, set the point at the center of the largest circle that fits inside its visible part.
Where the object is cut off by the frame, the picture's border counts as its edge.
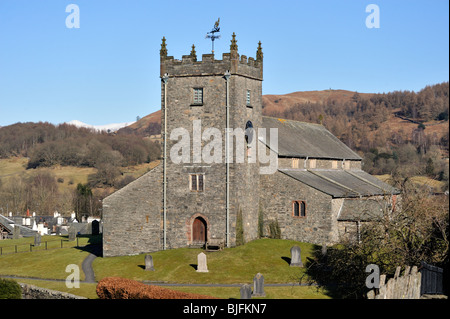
(183, 204)
(132, 217)
(278, 191)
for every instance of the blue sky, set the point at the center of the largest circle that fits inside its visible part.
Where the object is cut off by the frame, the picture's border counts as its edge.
(107, 71)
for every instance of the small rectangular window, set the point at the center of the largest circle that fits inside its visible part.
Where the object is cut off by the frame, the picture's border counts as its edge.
(196, 182)
(248, 98)
(198, 96)
(312, 163)
(299, 208)
(334, 164)
(295, 163)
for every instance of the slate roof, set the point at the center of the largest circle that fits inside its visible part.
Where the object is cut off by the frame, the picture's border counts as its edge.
(361, 209)
(9, 224)
(301, 139)
(341, 183)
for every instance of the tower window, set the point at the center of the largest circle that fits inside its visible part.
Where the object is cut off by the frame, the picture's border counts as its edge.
(198, 96)
(248, 101)
(299, 208)
(196, 182)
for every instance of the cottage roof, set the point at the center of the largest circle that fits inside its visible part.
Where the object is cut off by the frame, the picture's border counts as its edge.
(341, 183)
(301, 139)
(9, 224)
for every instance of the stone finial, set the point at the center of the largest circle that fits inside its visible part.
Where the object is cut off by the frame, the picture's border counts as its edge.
(233, 46)
(259, 53)
(193, 53)
(163, 51)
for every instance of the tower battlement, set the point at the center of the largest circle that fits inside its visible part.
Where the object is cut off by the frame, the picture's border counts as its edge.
(232, 61)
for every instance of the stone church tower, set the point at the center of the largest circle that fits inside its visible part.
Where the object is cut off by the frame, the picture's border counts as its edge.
(197, 193)
(201, 95)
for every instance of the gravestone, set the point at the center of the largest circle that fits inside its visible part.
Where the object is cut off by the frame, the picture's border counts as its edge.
(37, 239)
(258, 286)
(201, 263)
(246, 292)
(324, 249)
(72, 233)
(16, 232)
(95, 227)
(149, 263)
(296, 259)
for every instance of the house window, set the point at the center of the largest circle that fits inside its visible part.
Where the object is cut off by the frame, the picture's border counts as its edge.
(299, 208)
(198, 96)
(196, 182)
(248, 100)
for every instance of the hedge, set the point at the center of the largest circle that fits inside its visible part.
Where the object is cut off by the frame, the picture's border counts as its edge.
(122, 288)
(10, 289)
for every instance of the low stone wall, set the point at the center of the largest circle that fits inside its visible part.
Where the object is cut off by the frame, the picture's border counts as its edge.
(33, 292)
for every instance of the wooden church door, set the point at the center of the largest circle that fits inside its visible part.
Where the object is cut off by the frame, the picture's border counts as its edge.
(199, 230)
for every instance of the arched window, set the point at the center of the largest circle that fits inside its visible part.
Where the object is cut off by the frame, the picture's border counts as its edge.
(299, 208)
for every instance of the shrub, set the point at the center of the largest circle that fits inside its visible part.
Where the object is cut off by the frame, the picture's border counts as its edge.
(274, 229)
(10, 289)
(122, 288)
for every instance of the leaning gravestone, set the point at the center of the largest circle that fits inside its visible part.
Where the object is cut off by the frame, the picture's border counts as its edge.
(37, 239)
(258, 286)
(296, 259)
(149, 263)
(201, 264)
(246, 292)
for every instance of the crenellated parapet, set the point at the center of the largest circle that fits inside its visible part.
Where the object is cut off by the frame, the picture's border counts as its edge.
(189, 65)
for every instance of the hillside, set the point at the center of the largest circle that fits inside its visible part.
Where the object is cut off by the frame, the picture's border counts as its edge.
(149, 125)
(273, 102)
(383, 119)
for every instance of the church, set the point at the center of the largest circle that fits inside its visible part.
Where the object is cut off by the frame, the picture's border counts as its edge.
(228, 173)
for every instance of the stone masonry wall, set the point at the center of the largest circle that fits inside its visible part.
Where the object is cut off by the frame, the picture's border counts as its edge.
(132, 217)
(183, 204)
(33, 292)
(276, 202)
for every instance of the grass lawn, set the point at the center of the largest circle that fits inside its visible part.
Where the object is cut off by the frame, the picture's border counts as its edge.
(269, 257)
(236, 265)
(41, 263)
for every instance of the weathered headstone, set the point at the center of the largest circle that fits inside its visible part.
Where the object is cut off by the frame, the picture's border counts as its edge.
(258, 286)
(16, 232)
(72, 233)
(296, 259)
(37, 239)
(246, 292)
(201, 263)
(324, 249)
(149, 263)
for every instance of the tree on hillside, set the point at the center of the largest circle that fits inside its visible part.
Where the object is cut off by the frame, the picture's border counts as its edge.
(83, 201)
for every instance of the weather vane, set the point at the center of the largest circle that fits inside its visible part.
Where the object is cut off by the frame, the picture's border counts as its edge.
(211, 35)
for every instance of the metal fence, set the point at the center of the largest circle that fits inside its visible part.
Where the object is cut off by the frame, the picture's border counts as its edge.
(44, 245)
(432, 279)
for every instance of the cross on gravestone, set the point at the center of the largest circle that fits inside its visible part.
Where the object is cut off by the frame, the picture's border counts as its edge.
(296, 259)
(149, 263)
(201, 263)
(258, 286)
(37, 239)
(246, 292)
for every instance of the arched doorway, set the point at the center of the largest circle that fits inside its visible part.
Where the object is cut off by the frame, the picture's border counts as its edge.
(199, 230)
